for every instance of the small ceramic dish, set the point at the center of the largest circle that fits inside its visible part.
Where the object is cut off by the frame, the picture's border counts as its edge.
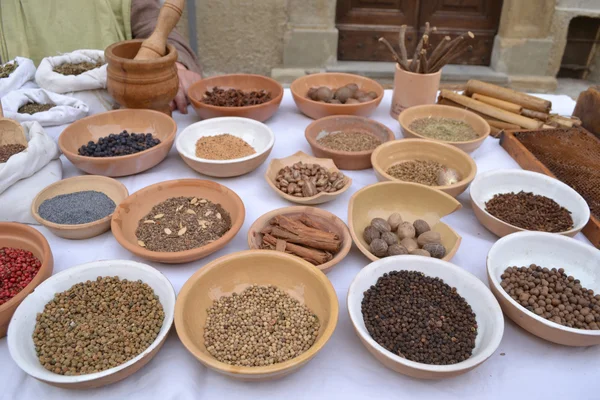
(235, 272)
(245, 82)
(412, 201)
(546, 250)
(20, 236)
(277, 164)
(256, 134)
(110, 187)
(498, 181)
(398, 151)
(408, 116)
(22, 325)
(334, 80)
(349, 160)
(490, 323)
(129, 212)
(96, 126)
(330, 221)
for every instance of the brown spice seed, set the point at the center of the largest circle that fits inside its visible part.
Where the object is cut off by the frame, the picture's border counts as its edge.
(441, 128)
(9, 150)
(77, 69)
(424, 172)
(349, 141)
(223, 147)
(34, 108)
(235, 98)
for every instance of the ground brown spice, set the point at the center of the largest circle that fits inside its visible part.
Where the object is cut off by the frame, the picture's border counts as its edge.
(9, 150)
(221, 97)
(349, 141)
(77, 69)
(448, 129)
(7, 69)
(223, 147)
(417, 171)
(33, 108)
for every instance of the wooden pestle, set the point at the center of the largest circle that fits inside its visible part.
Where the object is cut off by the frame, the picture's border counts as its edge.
(156, 45)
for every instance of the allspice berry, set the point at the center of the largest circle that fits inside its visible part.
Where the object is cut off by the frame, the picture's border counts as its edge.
(379, 247)
(381, 225)
(421, 227)
(370, 233)
(396, 250)
(390, 238)
(406, 230)
(394, 220)
(436, 250)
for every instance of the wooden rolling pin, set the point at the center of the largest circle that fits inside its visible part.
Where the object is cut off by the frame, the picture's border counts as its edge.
(156, 45)
(510, 95)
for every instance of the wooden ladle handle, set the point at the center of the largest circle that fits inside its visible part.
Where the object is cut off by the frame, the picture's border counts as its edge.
(156, 45)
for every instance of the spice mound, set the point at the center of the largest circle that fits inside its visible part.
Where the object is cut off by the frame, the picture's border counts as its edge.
(223, 147)
(419, 318)
(77, 69)
(530, 211)
(235, 98)
(97, 325)
(261, 326)
(77, 208)
(448, 129)
(349, 94)
(553, 295)
(349, 141)
(9, 150)
(34, 108)
(17, 269)
(307, 180)
(182, 223)
(122, 144)
(425, 172)
(7, 69)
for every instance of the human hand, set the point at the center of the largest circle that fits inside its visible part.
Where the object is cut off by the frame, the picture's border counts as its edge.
(186, 79)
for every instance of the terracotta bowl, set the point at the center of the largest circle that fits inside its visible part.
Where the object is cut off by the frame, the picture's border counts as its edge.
(349, 160)
(233, 273)
(490, 183)
(255, 133)
(132, 209)
(329, 220)
(320, 198)
(22, 325)
(24, 237)
(96, 126)
(245, 82)
(110, 187)
(549, 251)
(397, 151)
(412, 201)
(436, 110)
(490, 323)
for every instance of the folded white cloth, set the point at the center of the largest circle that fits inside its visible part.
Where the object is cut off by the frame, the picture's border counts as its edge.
(46, 78)
(24, 73)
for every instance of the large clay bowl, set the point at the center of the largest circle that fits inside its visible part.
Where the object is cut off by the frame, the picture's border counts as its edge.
(96, 126)
(128, 214)
(245, 82)
(235, 272)
(24, 237)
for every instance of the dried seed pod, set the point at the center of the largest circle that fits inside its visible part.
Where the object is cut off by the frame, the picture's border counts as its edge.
(194, 201)
(429, 237)
(447, 176)
(309, 189)
(168, 231)
(410, 244)
(397, 250)
(379, 247)
(370, 233)
(420, 252)
(284, 183)
(436, 250)
(158, 216)
(394, 220)
(291, 188)
(406, 230)
(190, 211)
(140, 243)
(149, 221)
(182, 231)
(381, 225)
(421, 227)
(390, 238)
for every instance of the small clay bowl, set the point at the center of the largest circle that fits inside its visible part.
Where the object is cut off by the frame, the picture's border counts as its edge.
(235, 272)
(439, 111)
(255, 133)
(319, 198)
(22, 325)
(135, 207)
(412, 201)
(334, 80)
(110, 187)
(348, 160)
(20, 236)
(245, 82)
(398, 151)
(498, 181)
(329, 220)
(96, 126)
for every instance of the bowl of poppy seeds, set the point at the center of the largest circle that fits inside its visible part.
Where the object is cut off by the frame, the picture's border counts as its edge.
(423, 317)
(93, 324)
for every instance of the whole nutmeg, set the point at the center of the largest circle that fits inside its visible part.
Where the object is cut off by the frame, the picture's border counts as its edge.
(429, 237)
(436, 250)
(343, 94)
(410, 244)
(381, 225)
(406, 230)
(420, 252)
(421, 227)
(390, 238)
(394, 220)
(312, 93)
(324, 94)
(364, 99)
(397, 250)
(359, 93)
(370, 233)
(379, 247)
(353, 87)
(335, 101)
(352, 101)
(372, 95)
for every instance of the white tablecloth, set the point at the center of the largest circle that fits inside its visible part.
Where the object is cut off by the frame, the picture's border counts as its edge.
(522, 367)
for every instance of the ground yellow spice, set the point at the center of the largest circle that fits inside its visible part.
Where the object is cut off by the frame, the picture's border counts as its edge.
(223, 147)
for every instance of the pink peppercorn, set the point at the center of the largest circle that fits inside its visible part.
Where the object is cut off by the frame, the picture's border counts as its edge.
(17, 269)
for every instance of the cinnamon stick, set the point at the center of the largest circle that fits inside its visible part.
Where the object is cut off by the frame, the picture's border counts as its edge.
(292, 231)
(312, 223)
(490, 120)
(501, 124)
(315, 257)
(505, 105)
(513, 96)
(535, 114)
(495, 132)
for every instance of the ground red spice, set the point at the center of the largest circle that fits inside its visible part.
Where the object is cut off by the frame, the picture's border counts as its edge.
(17, 269)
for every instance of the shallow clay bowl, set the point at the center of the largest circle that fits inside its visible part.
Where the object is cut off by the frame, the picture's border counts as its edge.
(319, 198)
(20, 236)
(256, 134)
(22, 325)
(334, 80)
(398, 151)
(233, 273)
(245, 82)
(327, 219)
(490, 183)
(110, 187)
(349, 160)
(412, 201)
(439, 111)
(96, 126)
(548, 251)
(490, 322)
(12, 131)
(135, 207)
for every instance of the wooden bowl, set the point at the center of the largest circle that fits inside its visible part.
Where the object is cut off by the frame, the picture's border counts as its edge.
(110, 187)
(24, 237)
(334, 80)
(349, 160)
(549, 251)
(233, 273)
(22, 325)
(245, 82)
(331, 221)
(439, 111)
(412, 201)
(132, 209)
(397, 151)
(490, 323)
(489, 183)
(278, 163)
(96, 126)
